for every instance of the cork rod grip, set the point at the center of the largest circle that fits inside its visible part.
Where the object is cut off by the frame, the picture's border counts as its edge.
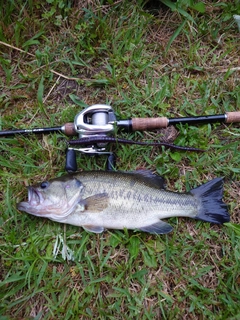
(233, 117)
(144, 124)
(69, 129)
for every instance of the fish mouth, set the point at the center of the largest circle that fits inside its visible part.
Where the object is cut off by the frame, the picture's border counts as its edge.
(34, 199)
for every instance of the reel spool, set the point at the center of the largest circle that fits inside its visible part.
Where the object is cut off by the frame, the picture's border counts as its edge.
(95, 120)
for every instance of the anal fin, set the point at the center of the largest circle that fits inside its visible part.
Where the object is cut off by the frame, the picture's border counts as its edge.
(95, 229)
(160, 227)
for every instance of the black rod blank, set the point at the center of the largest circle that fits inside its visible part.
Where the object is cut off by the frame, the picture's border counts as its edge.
(14, 132)
(197, 120)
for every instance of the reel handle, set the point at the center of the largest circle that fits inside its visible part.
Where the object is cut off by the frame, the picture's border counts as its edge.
(111, 162)
(71, 162)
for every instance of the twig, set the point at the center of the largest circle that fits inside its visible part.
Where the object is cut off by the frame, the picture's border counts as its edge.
(15, 48)
(32, 55)
(50, 91)
(230, 69)
(63, 76)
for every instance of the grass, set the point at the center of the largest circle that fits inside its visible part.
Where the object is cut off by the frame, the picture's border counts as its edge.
(58, 57)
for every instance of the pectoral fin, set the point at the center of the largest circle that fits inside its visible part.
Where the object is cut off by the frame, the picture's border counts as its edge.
(96, 203)
(94, 229)
(158, 228)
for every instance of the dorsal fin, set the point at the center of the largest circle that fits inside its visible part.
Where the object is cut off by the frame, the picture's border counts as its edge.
(150, 178)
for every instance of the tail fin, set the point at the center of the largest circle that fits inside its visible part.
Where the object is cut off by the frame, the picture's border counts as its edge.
(212, 208)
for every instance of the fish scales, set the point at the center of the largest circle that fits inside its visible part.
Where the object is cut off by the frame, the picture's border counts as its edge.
(115, 200)
(132, 200)
(141, 192)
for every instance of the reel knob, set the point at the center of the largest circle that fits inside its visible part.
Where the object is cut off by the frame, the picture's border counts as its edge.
(71, 162)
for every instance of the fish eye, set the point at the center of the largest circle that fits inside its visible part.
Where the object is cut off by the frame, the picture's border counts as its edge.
(44, 184)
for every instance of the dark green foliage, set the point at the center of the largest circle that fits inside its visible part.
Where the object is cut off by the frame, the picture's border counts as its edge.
(56, 57)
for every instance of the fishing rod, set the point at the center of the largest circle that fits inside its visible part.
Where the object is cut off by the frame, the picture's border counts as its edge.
(101, 118)
(99, 121)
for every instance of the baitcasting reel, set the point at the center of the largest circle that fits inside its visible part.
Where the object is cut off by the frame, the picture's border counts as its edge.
(92, 122)
(95, 127)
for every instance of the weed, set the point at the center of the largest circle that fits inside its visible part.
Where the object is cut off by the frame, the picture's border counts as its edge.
(56, 58)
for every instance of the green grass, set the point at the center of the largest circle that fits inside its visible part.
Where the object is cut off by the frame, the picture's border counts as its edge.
(58, 57)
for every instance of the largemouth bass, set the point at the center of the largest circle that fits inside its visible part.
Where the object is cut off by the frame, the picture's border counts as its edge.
(98, 200)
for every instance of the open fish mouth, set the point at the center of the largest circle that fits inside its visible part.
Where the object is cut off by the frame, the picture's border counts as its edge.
(34, 197)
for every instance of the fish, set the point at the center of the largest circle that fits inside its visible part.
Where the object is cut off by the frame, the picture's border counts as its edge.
(99, 200)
